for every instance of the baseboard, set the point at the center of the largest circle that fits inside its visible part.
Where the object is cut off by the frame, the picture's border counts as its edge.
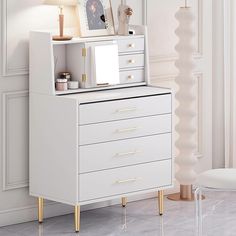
(51, 209)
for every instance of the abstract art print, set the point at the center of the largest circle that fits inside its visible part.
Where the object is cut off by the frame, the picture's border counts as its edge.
(95, 18)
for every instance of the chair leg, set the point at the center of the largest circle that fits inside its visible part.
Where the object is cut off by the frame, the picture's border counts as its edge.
(196, 197)
(77, 218)
(161, 202)
(198, 211)
(40, 209)
(124, 201)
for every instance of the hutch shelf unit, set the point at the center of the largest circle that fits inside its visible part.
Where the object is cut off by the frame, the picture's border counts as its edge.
(97, 143)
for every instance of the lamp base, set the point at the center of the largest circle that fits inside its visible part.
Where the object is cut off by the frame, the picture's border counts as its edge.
(62, 38)
(185, 194)
(177, 197)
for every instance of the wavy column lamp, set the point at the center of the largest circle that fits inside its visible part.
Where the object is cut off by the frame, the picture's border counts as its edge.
(185, 128)
(61, 4)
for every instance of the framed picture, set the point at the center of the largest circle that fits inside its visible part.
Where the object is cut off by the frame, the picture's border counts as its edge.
(95, 18)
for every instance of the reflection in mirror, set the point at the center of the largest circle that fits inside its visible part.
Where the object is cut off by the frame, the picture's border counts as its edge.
(106, 65)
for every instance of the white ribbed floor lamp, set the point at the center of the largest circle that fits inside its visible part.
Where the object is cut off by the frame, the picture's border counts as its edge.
(185, 112)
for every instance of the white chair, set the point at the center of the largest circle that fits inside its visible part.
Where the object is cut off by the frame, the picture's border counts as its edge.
(213, 180)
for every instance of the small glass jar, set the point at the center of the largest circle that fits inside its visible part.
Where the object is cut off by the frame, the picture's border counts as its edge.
(61, 84)
(73, 84)
(65, 75)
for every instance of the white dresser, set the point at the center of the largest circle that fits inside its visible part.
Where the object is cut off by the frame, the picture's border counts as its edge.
(97, 144)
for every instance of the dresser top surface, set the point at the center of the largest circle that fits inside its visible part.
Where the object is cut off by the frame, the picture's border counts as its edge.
(116, 94)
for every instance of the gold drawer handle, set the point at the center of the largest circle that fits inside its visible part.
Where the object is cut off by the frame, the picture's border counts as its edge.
(130, 77)
(132, 61)
(127, 181)
(127, 130)
(132, 45)
(123, 154)
(126, 110)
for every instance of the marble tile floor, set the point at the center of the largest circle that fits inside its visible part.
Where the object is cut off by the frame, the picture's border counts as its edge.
(141, 219)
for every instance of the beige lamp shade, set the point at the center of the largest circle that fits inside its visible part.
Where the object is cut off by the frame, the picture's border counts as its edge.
(61, 2)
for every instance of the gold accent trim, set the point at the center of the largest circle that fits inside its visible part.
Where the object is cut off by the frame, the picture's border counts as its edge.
(84, 52)
(77, 218)
(130, 77)
(127, 130)
(124, 201)
(129, 109)
(161, 202)
(132, 45)
(127, 181)
(84, 77)
(40, 209)
(131, 153)
(131, 61)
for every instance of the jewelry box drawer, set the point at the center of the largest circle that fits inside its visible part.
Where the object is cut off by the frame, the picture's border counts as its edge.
(124, 129)
(132, 76)
(125, 180)
(122, 153)
(131, 45)
(124, 109)
(131, 61)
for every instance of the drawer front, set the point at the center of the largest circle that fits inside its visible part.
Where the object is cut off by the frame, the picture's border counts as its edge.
(131, 61)
(132, 76)
(125, 180)
(131, 45)
(123, 153)
(124, 109)
(124, 129)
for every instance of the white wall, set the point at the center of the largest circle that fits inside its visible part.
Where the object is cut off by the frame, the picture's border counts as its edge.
(218, 151)
(229, 82)
(224, 86)
(18, 17)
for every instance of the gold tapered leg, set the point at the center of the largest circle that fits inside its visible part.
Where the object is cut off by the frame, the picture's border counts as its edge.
(40, 210)
(161, 202)
(77, 218)
(124, 201)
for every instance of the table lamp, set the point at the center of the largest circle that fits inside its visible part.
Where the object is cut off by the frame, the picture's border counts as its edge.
(61, 4)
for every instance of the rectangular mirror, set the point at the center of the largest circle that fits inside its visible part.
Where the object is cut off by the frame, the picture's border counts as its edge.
(106, 63)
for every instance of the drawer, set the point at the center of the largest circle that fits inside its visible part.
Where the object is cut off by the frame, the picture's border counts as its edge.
(124, 109)
(131, 61)
(132, 76)
(131, 45)
(123, 153)
(124, 129)
(124, 180)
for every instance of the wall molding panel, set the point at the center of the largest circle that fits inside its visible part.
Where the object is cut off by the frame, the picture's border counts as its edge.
(6, 69)
(199, 89)
(145, 12)
(170, 78)
(20, 181)
(198, 29)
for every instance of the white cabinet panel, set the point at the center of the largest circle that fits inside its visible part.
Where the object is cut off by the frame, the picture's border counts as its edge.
(124, 153)
(131, 61)
(124, 129)
(131, 45)
(132, 76)
(124, 109)
(125, 180)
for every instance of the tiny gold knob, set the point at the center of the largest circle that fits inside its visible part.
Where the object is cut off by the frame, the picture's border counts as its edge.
(130, 77)
(131, 61)
(132, 45)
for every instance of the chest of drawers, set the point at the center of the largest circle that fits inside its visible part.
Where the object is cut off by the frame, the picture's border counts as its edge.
(86, 149)
(97, 144)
